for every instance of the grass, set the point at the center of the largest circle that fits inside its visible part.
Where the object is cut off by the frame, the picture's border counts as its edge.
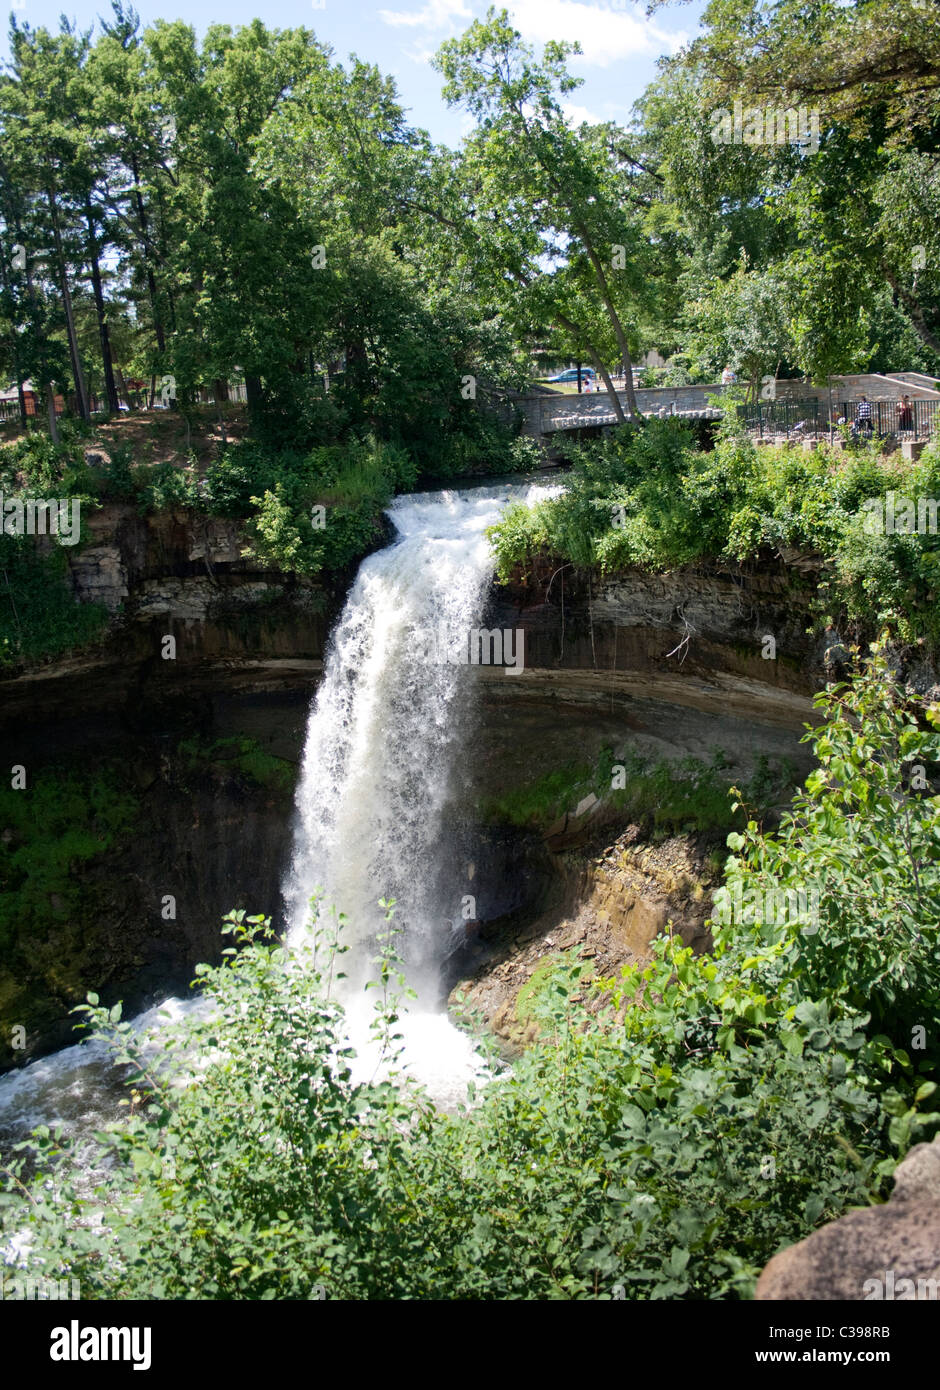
(688, 795)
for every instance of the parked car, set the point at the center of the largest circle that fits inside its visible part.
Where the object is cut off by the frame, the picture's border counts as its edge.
(571, 374)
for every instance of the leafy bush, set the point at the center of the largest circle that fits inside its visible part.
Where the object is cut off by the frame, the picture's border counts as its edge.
(864, 837)
(34, 466)
(39, 617)
(646, 497)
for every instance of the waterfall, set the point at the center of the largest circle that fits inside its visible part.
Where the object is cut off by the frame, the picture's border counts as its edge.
(387, 737)
(386, 734)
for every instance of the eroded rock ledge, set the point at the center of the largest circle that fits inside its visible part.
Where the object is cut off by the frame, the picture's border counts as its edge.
(234, 622)
(609, 905)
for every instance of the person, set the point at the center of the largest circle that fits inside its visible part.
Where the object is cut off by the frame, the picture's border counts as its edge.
(728, 377)
(863, 416)
(905, 415)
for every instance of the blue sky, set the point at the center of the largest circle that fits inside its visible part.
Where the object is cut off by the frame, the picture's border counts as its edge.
(621, 44)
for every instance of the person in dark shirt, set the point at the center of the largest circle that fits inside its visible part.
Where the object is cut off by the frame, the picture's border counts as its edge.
(863, 416)
(905, 415)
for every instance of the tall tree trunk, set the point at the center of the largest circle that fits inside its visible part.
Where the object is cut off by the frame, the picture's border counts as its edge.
(109, 387)
(601, 277)
(81, 395)
(142, 222)
(5, 281)
(357, 365)
(599, 272)
(915, 310)
(253, 392)
(49, 385)
(580, 336)
(50, 412)
(609, 386)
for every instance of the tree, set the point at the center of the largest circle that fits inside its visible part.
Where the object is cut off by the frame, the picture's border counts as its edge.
(864, 203)
(526, 169)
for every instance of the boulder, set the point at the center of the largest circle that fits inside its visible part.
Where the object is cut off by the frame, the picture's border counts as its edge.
(889, 1252)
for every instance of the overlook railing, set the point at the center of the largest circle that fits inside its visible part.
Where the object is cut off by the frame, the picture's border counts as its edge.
(917, 420)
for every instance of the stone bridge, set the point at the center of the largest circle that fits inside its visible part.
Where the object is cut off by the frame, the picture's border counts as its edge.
(545, 413)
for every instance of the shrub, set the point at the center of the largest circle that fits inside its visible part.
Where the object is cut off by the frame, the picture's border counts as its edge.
(647, 497)
(39, 617)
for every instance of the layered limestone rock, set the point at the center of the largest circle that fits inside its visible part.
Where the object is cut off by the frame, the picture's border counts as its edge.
(189, 613)
(606, 911)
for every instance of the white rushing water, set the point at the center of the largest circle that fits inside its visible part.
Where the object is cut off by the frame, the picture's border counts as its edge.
(384, 743)
(387, 726)
(386, 735)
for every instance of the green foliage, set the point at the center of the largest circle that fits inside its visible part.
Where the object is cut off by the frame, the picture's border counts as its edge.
(58, 820)
(648, 498)
(868, 843)
(245, 755)
(39, 616)
(664, 796)
(34, 466)
(318, 511)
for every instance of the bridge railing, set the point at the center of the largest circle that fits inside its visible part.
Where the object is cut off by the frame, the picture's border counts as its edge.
(918, 419)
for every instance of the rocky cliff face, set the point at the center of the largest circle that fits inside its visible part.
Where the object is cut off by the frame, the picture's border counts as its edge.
(706, 658)
(664, 665)
(132, 919)
(188, 614)
(716, 637)
(605, 907)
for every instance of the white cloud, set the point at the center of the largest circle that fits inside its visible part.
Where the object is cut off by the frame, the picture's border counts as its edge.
(575, 114)
(435, 15)
(607, 35)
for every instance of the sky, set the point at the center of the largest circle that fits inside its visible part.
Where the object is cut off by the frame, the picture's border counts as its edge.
(621, 44)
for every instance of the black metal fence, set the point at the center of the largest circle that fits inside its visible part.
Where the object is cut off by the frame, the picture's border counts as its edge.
(783, 417)
(915, 419)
